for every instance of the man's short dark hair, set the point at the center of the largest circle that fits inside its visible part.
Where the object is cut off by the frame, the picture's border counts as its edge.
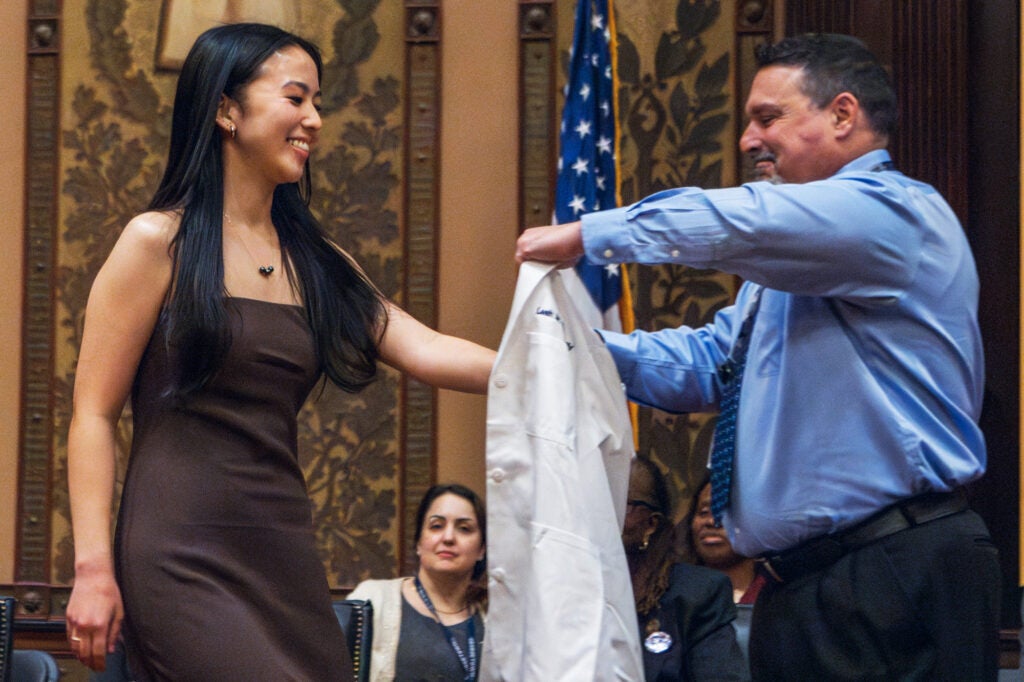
(833, 64)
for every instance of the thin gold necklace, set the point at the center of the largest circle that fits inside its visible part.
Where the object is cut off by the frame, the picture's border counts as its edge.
(265, 270)
(449, 613)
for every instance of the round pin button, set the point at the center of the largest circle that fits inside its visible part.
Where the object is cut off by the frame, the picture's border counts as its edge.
(658, 642)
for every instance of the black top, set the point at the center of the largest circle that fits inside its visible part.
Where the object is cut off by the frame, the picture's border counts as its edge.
(696, 614)
(424, 654)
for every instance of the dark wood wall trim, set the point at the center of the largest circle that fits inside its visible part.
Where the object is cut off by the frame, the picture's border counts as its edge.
(932, 46)
(754, 25)
(925, 47)
(32, 560)
(422, 189)
(538, 141)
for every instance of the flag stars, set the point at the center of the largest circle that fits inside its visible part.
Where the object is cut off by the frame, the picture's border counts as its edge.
(581, 166)
(597, 22)
(585, 91)
(604, 145)
(583, 128)
(611, 270)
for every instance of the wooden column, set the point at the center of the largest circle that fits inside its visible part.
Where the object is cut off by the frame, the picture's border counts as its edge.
(422, 189)
(754, 25)
(537, 120)
(32, 563)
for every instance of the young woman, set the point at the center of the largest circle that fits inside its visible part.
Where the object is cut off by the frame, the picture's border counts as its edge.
(218, 310)
(430, 626)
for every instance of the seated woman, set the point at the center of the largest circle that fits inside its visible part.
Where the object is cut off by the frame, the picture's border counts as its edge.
(685, 612)
(710, 546)
(430, 626)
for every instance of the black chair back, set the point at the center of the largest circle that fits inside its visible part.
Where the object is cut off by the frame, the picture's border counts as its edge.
(6, 637)
(356, 619)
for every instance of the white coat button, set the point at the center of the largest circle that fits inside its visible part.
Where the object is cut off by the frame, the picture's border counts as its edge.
(675, 253)
(608, 253)
(500, 380)
(498, 475)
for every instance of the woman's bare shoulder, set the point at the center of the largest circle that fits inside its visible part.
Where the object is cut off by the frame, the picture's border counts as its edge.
(157, 228)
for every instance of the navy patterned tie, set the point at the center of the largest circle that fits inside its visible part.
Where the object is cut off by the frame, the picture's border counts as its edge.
(724, 444)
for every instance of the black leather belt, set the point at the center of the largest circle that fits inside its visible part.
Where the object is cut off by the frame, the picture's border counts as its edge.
(820, 553)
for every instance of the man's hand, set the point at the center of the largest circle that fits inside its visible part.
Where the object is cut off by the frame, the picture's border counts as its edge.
(561, 244)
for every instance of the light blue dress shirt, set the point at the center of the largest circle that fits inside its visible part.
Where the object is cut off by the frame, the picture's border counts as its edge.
(865, 373)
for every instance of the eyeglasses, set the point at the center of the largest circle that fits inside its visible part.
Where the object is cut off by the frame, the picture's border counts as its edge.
(641, 503)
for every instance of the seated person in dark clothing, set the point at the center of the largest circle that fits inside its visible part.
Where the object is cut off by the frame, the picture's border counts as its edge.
(710, 546)
(685, 612)
(430, 626)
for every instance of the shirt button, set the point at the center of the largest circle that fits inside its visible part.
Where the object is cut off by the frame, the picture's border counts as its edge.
(498, 475)
(675, 253)
(608, 253)
(500, 380)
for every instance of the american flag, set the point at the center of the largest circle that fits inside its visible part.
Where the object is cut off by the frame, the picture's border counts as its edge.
(586, 166)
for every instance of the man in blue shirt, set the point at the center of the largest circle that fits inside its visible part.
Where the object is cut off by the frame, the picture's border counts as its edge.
(857, 426)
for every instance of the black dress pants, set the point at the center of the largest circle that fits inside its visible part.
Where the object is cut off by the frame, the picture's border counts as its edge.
(921, 604)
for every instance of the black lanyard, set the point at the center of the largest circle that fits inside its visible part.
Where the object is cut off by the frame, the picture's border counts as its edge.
(469, 666)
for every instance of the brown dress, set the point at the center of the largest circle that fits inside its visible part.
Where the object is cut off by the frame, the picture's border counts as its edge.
(215, 550)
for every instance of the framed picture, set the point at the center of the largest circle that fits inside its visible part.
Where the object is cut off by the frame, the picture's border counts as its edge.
(181, 21)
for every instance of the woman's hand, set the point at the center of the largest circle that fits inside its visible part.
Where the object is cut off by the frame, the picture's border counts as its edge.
(94, 615)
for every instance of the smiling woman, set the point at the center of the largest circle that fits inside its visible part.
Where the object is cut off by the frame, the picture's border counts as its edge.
(217, 311)
(431, 626)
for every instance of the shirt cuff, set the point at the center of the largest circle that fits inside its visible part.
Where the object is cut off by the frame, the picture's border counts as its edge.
(603, 233)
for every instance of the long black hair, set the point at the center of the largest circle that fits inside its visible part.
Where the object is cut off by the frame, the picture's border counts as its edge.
(346, 313)
(652, 565)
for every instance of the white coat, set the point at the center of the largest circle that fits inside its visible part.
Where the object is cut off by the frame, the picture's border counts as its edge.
(559, 443)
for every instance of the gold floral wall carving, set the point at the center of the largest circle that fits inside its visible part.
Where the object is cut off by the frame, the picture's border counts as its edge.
(676, 110)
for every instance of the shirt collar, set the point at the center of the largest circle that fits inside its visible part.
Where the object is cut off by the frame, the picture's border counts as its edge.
(867, 161)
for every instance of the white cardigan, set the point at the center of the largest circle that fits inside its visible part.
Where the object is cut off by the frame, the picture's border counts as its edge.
(386, 597)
